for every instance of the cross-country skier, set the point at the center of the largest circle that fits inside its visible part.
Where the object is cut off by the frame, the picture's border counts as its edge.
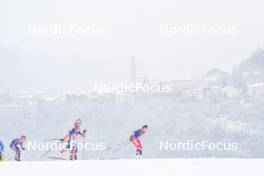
(72, 138)
(2, 149)
(135, 139)
(17, 145)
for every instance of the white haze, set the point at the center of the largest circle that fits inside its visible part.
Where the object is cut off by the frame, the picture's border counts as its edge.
(58, 63)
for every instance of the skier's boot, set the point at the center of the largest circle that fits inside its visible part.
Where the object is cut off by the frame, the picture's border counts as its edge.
(17, 159)
(139, 157)
(17, 156)
(73, 157)
(139, 154)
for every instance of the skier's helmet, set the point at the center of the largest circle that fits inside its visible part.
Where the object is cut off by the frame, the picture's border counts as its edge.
(78, 123)
(23, 137)
(145, 127)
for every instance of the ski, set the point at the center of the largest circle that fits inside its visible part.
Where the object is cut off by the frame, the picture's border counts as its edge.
(54, 140)
(57, 158)
(116, 146)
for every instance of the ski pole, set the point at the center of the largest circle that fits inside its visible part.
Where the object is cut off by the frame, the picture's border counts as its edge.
(126, 144)
(84, 141)
(60, 140)
(9, 156)
(45, 154)
(114, 147)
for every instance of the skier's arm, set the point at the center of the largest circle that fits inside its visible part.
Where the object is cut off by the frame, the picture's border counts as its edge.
(65, 137)
(142, 132)
(22, 147)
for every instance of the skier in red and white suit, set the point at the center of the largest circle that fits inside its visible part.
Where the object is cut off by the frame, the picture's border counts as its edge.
(135, 139)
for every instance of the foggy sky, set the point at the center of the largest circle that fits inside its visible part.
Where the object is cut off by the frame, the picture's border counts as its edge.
(74, 62)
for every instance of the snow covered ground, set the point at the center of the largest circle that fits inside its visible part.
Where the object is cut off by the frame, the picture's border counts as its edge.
(174, 167)
(111, 121)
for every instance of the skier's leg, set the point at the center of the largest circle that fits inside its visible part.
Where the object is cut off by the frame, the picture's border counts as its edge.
(137, 144)
(139, 147)
(75, 153)
(15, 150)
(17, 154)
(72, 153)
(64, 149)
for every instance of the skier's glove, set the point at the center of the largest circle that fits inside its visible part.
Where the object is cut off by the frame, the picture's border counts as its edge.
(61, 140)
(23, 148)
(84, 131)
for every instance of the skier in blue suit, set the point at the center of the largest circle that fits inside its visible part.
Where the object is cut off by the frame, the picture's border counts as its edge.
(2, 149)
(16, 145)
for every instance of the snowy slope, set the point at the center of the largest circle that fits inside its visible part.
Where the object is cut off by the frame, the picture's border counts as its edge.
(204, 167)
